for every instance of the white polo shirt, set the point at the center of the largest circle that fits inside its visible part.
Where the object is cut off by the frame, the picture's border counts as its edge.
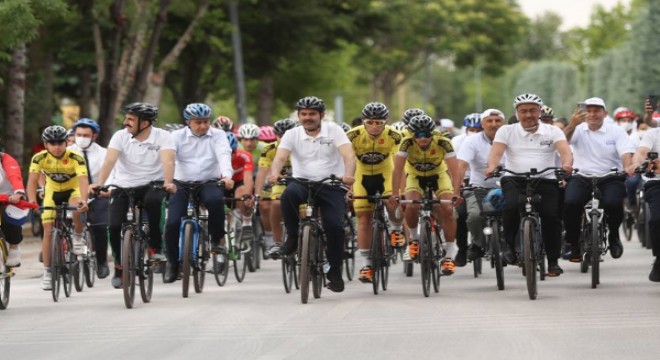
(651, 140)
(525, 150)
(95, 157)
(200, 158)
(318, 157)
(139, 161)
(474, 151)
(599, 151)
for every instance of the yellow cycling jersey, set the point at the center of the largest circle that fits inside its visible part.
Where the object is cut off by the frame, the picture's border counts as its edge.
(406, 133)
(425, 162)
(268, 156)
(374, 155)
(61, 174)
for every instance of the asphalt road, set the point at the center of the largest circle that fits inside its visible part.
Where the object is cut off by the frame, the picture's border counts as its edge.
(256, 319)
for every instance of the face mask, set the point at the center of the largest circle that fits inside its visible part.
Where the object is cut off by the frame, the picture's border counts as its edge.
(83, 142)
(625, 125)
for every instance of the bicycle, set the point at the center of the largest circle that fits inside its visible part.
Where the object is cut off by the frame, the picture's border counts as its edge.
(593, 238)
(86, 273)
(194, 239)
(350, 245)
(647, 169)
(431, 251)
(238, 248)
(6, 271)
(312, 239)
(531, 244)
(63, 263)
(380, 251)
(135, 259)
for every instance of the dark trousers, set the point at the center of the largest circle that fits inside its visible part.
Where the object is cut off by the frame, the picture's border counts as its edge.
(98, 213)
(652, 197)
(13, 233)
(548, 209)
(211, 196)
(461, 226)
(151, 200)
(632, 182)
(333, 207)
(578, 194)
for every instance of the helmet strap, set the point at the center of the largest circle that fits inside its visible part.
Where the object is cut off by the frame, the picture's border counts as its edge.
(139, 130)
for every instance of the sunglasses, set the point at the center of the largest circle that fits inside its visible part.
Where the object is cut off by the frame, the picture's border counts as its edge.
(423, 134)
(374, 122)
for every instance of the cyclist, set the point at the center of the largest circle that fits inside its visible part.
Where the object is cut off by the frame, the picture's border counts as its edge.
(422, 155)
(86, 131)
(139, 155)
(374, 144)
(471, 126)
(625, 118)
(248, 136)
(317, 149)
(651, 143)
(271, 213)
(547, 115)
(224, 123)
(11, 184)
(243, 168)
(66, 182)
(531, 144)
(267, 134)
(597, 147)
(473, 157)
(202, 154)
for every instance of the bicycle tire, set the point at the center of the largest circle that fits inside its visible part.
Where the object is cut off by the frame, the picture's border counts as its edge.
(90, 265)
(376, 253)
(56, 260)
(316, 251)
(258, 235)
(199, 273)
(641, 224)
(349, 252)
(529, 256)
(424, 257)
(287, 274)
(145, 271)
(186, 261)
(628, 224)
(220, 269)
(496, 254)
(249, 252)
(128, 268)
(5, 282)
(240, 256)
(296, 272)
(78, 267)
(647, 229)
(437, 256)
(385, 264)
(305, 263)
(595, 250)
(69, 268)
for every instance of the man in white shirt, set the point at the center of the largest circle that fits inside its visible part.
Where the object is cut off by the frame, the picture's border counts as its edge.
(531, 144)
(85, 132)
(597, 147)
(318, 150)
(202, 155)
(473, 157)
(139, 155)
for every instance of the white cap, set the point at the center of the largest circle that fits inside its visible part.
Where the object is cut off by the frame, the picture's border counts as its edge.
(595, 101)
(446, 123)
(493, 112)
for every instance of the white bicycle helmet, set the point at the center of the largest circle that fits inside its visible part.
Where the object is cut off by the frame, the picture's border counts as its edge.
(527, 99)
(248, 131)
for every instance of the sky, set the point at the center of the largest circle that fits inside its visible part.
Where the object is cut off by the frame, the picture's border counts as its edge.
(574, 12)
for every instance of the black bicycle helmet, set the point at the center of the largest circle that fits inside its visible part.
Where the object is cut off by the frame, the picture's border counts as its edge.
(421, 123)
(411, 113)
(144, 111)
(311, 102)
(54, 133)
(375, 110)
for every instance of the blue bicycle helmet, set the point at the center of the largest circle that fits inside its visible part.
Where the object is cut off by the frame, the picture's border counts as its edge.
(494, 200)
(472, 121)
(89, 123)
(233, 141)
(196, 111)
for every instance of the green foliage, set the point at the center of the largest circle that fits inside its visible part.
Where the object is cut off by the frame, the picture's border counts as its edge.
(20, 19)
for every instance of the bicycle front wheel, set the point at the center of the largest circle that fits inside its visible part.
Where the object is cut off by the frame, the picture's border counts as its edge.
(240, 255)
(529, 256)
(56, 262)
(90, 265)
(376, 253)
(287, 273)
(128, 268)
(595, 251)
(5, 279)
(350, 244)
(305, 262)
(186, 261)
(496, 254)
(144, 270)
(199, 275)
(425, 258)
(70, 262)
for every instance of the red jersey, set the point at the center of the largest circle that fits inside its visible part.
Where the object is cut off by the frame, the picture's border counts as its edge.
(241, 161)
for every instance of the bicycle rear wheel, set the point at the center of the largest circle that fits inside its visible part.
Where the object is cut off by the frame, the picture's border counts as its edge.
(128, 267)
(89, 263)
(425, 258)
(199, 275)
(595, 251)
(287, 273)
(220, 268)
(240, 254)
(145, 271)
(186, 261)
(5, 276)
(305, 262)
(529, 256)
(496, 254)
(56, 262)
(376, 253)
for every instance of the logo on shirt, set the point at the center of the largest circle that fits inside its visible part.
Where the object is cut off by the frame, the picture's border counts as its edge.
(547, 142)
(423, 166)
(327, 142)
(372, 158)
(610, 142)
(153, 147)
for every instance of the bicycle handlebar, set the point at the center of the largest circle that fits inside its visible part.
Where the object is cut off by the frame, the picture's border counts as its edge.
(559, 172)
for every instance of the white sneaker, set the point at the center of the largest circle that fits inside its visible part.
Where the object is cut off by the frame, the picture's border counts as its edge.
(46, 280)
(14, 258)
(79, 244)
